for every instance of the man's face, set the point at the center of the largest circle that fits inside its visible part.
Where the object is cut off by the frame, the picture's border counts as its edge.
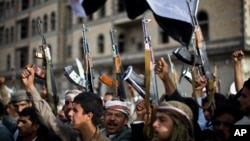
(107, 98)
(244, 101)
(208, 112)
(26, 127)
(20, 105)
(114, 121)
(222, 126)
(67, 108)
(79, 118)
(163, 127)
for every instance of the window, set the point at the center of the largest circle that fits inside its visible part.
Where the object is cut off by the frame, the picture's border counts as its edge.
(80, 20)
(6, 35)
(53, 21)
(25, 4)
(102, 11)
(1, 35)
(164, 36)
(34, 2)
(69, 15)
(23, 27)
(45, 23)
(22, 57)
(33, 27)
(90, 17)
(69, 51)
(8, 62)
(7, 11)
(203, 21)
(121, 43)
(120, 6)
(11, 34)
(101, 43)
(140, 46)
(2, 11)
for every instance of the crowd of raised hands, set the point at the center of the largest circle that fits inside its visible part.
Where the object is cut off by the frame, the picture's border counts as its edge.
(85, 116)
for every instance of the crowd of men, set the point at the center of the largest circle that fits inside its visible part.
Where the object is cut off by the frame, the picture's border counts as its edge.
(26, 116)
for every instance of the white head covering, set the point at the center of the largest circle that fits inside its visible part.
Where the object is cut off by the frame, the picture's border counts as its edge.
(118, 106)
(71, 94)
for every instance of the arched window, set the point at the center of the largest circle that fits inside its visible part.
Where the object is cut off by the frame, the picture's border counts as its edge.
(101, 44)
(7, 36)
(45, 23)
(33, 27)
(8, 62)
(203, 22)
(121, 43)
(69, 16)
(164, 36)
(11, 34)
(69, 51)
(53, 21)
(102, 11)
(120, 6)
(7, 9)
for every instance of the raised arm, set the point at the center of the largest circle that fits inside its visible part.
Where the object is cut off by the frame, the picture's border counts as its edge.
(237, 56)
(162, 69)
(65, 132)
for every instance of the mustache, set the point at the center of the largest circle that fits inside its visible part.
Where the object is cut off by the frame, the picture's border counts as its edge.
(112, 123)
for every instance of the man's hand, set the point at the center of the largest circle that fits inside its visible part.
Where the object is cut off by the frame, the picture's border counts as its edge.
(27, 76)
(200, 82)
(237, 55)
(140, 111)
(162, 69)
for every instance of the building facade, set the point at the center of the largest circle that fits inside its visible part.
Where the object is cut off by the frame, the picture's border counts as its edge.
(225, 26)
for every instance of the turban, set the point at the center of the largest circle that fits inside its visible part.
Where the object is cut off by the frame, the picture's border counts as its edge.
(20, 95)
(118, 106)
(177, 107)
(71, 94)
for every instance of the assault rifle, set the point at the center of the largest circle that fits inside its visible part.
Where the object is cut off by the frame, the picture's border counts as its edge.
(151, 98)
(87, 59)
(200, 47)
(47, 64)
(118, 73)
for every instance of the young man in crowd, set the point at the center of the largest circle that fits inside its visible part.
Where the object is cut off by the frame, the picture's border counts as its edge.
(86, 113)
